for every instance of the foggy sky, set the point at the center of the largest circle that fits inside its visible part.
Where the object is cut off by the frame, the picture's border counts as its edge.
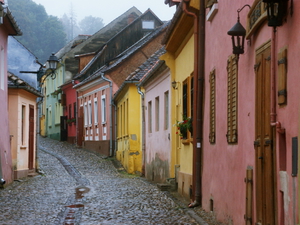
(107, 10)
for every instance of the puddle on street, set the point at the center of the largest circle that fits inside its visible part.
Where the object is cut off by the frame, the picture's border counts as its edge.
(73, 212)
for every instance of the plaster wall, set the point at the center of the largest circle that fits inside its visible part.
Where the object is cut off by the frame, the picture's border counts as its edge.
(54, 108)
(95, 129)
(158, 142)
(224, 165)
(129, 140)
(20, 152)
(181, 65)
(5, 159)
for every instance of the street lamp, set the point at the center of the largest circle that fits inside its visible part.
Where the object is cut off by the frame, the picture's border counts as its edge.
(52, 63)
(53, 60)
(238, 33)
(276, 10)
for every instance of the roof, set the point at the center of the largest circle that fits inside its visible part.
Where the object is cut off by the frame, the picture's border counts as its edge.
(72, 44)
(111, 48)
(9, 22)
(144, 70)
(15, 82)
(124, 55)
(95, 42)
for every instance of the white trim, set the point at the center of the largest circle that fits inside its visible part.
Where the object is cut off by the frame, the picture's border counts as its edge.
(213, 11)
(103, 109)
(93, 92)
(90, 85)
(96, 111)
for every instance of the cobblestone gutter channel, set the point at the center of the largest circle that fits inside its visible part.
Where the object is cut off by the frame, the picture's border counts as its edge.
(72, 212)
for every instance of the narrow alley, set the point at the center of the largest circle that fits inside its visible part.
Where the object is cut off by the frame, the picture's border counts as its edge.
(78, 187)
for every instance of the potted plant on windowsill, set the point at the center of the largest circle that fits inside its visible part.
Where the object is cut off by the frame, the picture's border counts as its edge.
(70, 121)
(184, 126)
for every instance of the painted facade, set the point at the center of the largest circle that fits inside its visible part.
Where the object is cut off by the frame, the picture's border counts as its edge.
(249, 145)
(124, 59)
(76, 56)
(129, 133)
(180, 59)
(22, 125)
(158, 126)
(54, 108)
(8, 27)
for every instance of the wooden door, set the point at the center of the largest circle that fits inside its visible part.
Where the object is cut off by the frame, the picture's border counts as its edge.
(31, 138)
(264, 150)
(80, 127)
(63, 128)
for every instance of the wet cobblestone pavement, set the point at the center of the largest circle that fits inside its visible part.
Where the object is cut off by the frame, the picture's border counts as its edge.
(79, 187)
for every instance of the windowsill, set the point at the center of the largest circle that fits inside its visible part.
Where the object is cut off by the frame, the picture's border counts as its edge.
(185, 141)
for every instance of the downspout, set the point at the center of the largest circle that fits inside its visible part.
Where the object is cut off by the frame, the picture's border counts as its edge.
(143, 129)
(115, 125)
(197, 101)
(110, 112)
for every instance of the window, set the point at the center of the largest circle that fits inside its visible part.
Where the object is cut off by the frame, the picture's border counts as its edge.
(57, 113)
(150, 117)
(166, 112)
(232, 100)
(90, 112)
(50, 115)
(157, 114)
(85, 114)
(282, 77)
(212, 113)
(95, 110)
(23, 125)
(187, 101)
(70, 111)
(74, 109)
(148, 25)
(103, 108)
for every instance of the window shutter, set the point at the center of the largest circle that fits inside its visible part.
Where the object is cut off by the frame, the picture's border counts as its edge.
(232, 100)
(212, 127)
(282, 77)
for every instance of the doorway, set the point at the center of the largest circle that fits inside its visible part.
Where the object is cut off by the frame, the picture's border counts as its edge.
(31, 138)
(264, 140)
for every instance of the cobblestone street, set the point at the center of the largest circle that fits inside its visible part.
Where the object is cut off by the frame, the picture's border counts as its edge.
(79, 187)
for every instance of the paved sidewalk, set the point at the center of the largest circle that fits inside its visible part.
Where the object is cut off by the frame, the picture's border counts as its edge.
(79, 187)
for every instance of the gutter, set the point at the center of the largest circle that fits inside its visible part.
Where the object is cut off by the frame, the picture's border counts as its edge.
(199, 36)
(110, 112)
(143, 129)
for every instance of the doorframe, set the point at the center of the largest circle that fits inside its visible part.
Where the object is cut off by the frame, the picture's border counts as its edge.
(258, 51)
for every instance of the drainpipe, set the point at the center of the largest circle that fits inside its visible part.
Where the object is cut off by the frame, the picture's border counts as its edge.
(199, 36)
(110, 112)
(115, 125)
(143, 129)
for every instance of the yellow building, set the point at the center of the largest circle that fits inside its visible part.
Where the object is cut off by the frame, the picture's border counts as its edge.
(129, 151)
(180, 59)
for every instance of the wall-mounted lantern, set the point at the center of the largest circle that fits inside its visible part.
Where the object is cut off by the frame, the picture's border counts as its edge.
(174, 85)
(276, 10)
(238, 33)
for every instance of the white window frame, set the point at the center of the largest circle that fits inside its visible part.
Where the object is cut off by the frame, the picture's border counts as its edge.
(85, 109)
(103, 109)
(90, 113)
(96, 111)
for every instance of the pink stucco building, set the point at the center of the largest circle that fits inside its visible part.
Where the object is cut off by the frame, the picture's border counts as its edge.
(8, 27)
(251, 114)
